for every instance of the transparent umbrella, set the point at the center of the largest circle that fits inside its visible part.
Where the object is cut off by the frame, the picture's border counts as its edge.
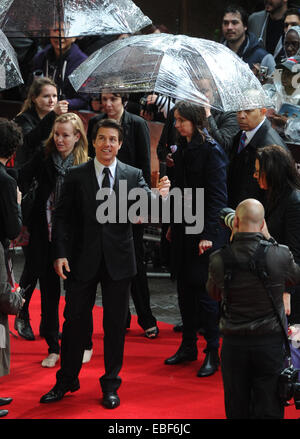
(10, 75)
(174, 66)
(37, 18)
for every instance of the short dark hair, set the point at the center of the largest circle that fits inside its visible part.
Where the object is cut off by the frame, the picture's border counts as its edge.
(108, 123)
(11, 138)
(292, 11)
(123, 96)
(233, 9)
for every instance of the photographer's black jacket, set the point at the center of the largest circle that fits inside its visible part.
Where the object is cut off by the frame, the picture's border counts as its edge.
(249, 309)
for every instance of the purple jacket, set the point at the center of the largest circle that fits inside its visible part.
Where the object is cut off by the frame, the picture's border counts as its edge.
(46, 62)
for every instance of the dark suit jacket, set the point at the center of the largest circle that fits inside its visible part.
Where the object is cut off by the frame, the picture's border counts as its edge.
(241, 183)
(77, 234)
(10, 212)
(135, 149)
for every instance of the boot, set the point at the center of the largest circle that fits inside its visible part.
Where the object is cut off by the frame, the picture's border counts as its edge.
(210, 364)
(22, 326)
(184, 353)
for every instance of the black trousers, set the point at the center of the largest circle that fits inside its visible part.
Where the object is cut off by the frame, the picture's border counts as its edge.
(194, 299)
(80, 299)
(50, 296)
(139, 290)
(250, 373)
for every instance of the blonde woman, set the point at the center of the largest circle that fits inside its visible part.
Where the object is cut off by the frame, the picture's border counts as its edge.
(66, 146)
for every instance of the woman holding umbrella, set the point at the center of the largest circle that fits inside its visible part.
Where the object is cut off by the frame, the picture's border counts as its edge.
(36, 120)
(66, 146)
(199, 162)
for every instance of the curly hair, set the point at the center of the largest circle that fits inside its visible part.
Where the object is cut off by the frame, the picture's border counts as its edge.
(11, 138)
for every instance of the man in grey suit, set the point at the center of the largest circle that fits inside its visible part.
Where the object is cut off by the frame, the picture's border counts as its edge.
(87, 252)
(268, 26)
(256, 131)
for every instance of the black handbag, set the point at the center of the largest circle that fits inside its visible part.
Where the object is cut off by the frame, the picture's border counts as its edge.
(28, 201)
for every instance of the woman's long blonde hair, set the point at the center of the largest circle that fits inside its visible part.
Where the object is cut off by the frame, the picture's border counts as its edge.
(34, 91)
(80, 151)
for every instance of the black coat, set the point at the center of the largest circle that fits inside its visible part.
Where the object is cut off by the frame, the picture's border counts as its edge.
(35, 132)
(283, 221)
(135, 149)
(42, 169)
(10, 212)
(241, 183)
(200, 164)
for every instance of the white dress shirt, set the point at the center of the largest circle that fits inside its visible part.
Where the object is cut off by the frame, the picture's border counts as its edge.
(100, 175)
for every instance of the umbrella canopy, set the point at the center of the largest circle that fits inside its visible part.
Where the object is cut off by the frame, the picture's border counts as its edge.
(36, 18)
(174, 66)
(10, 75)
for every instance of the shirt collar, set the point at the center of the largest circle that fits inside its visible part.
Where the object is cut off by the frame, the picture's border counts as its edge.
(250, 134)
(99, 168)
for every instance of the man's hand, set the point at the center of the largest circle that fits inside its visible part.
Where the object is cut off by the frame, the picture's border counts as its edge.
(204, 245)
(164, 186)
(59, 266)
(287, 303)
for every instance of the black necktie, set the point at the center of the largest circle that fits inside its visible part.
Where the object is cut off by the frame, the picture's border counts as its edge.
(106, 181)
(242, 143)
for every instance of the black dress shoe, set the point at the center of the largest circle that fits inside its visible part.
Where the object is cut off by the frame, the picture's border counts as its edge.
(210, 364)
(5, 401)
(22, 326)
(184, 353)
(110, 400)
(58, 392)
(3, 413)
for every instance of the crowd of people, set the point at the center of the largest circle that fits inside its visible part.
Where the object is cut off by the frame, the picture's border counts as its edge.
(241, 160)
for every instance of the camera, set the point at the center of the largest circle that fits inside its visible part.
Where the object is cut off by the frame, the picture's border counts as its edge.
(288, 387)
(150, 108)
(227, 217)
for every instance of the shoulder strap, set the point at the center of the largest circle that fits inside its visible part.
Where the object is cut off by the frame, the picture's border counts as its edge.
(260, 266)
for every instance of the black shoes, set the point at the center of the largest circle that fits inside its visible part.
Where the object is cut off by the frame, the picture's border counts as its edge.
(5, 401)
(152, 332)
(184, 353)
(110, 400)
(210, 364)
(22, 326)
(58, 392)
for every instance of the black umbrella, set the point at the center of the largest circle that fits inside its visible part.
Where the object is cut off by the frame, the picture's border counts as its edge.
(72, 18)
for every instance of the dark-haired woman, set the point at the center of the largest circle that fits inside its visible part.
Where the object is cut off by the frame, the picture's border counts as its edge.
(199, 163)
(276, 173)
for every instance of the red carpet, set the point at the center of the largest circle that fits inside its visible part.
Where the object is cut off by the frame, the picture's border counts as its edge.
(150, 389)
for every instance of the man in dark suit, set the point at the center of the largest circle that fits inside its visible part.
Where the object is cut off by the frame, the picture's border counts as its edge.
(256, 131)
(135, 151)
(87, 252)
